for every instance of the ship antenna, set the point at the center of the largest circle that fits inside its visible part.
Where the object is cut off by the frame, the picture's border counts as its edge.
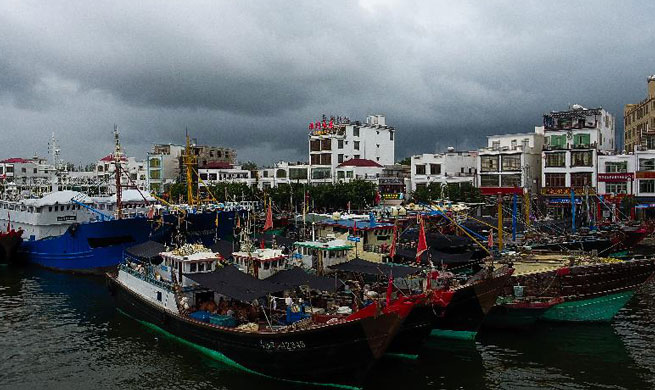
(117, 164)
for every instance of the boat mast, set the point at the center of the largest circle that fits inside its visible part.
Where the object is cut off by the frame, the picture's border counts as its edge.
(117, 168)
(189, 162)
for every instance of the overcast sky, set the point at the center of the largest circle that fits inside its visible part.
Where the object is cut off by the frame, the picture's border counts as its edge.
(252, 74)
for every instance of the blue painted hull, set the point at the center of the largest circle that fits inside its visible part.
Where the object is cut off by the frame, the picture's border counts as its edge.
(91, 247)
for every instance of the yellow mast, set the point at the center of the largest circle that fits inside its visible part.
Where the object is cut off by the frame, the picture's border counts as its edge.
(189, 162)
(526, 201)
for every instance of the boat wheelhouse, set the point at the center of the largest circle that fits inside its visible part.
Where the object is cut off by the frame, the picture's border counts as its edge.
(321, 254)
(260, 263)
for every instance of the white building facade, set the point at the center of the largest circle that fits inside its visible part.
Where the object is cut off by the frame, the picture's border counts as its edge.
(336, 140)
(449, 167)
(510, 163)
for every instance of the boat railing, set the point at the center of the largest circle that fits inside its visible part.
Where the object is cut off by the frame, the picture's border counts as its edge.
(143, 276)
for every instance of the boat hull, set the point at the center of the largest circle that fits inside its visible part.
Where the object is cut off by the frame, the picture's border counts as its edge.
(90, 247)
(588, 293)
(9, 243)
(415, 330)
(333, 354)
(468, 307)
(599, 309)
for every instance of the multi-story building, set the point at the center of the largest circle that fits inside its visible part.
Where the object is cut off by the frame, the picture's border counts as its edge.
(639, 121)
(221, 172)
(393, 183)
(33, 175)
(338, 140)
(283, 173)
(616, 174)
(449, 167)
(134, 174)
(573, 139)
(358, 169)
(510, 163)
(163, 166)
(644, 186)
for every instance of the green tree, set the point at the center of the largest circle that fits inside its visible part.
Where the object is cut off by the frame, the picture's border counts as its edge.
(405, 161)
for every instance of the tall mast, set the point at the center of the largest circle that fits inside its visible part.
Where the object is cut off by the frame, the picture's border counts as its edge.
(189, 162)
(117, 170)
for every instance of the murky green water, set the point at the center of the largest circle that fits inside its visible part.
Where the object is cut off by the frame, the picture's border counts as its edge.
(59, 331)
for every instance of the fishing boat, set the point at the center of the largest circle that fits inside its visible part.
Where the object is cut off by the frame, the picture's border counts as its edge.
(165, 294)
(9, 243)
(570, 288)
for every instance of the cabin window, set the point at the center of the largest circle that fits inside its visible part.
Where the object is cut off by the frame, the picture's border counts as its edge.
(267, 265)
(193, 267)
(159, 296)
(56, 208)
(201, 267)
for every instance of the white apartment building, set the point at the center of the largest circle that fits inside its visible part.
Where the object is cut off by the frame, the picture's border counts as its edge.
(283, 173)
(449, 167)
(510, 163)
(336, 140)
(644, 186)
(217, 172)
(134, 174)
(359, 169)
(616, 173)
(573, 140)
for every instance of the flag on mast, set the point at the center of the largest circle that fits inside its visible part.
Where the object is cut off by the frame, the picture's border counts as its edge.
(392, 251)
(269, 217)
(490, 240)
(422, 243)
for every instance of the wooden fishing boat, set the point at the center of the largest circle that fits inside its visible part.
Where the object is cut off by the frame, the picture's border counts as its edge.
(578, 288)
(320, 349)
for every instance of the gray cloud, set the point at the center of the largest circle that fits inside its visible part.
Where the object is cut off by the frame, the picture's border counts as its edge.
(251, 75)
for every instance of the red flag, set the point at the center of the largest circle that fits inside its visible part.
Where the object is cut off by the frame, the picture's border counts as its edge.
(311, 125)
(8, 222)
(269, 217)
(422, 243)
(354, 227)
(331, 125)
(490, 240)
(262, 243)
(378, 197)
(390, 287)
(392, 251)
(151, 212)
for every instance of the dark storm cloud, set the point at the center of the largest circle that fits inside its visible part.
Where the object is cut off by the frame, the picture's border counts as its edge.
(250, 75)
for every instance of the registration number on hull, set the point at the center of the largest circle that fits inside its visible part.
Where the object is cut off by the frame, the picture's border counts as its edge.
(282, 345)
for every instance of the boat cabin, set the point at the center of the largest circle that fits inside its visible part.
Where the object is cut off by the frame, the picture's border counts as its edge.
(260, 263)
(188, 262)
(320, 255)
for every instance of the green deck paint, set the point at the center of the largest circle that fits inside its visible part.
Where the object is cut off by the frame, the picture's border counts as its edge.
(453, 334)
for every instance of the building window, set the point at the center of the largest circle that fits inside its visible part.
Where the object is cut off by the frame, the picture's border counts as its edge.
(355, 131)
(488, 180)
(326, 144)
(281, 174)
(159, 296)
(489, 163)
(646, 185)
(582, 140)
(349, 174)
(510, 180)
(582, 159)
(557, 141)
(265, 173)
(391, 136)
(513, 144)
(420, 169)
(581, 179)
(356, 145)
(341, 174)
(356, 156)
(647, 164)
(315, 145)
(435, 169)
(555, 180)
(512, 162)
(616, 188)
(315, 159)
(340, 144)
(495, 145)
(340, 158)
(321, 173)
(616, 166)
(326, 159)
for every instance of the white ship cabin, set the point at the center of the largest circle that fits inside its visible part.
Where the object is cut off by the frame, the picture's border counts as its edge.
(320, 255)
(202, 261)
(134, 203)
(260, 263)
(48, 216)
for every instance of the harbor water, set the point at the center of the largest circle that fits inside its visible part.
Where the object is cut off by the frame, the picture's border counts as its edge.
(59, 331)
